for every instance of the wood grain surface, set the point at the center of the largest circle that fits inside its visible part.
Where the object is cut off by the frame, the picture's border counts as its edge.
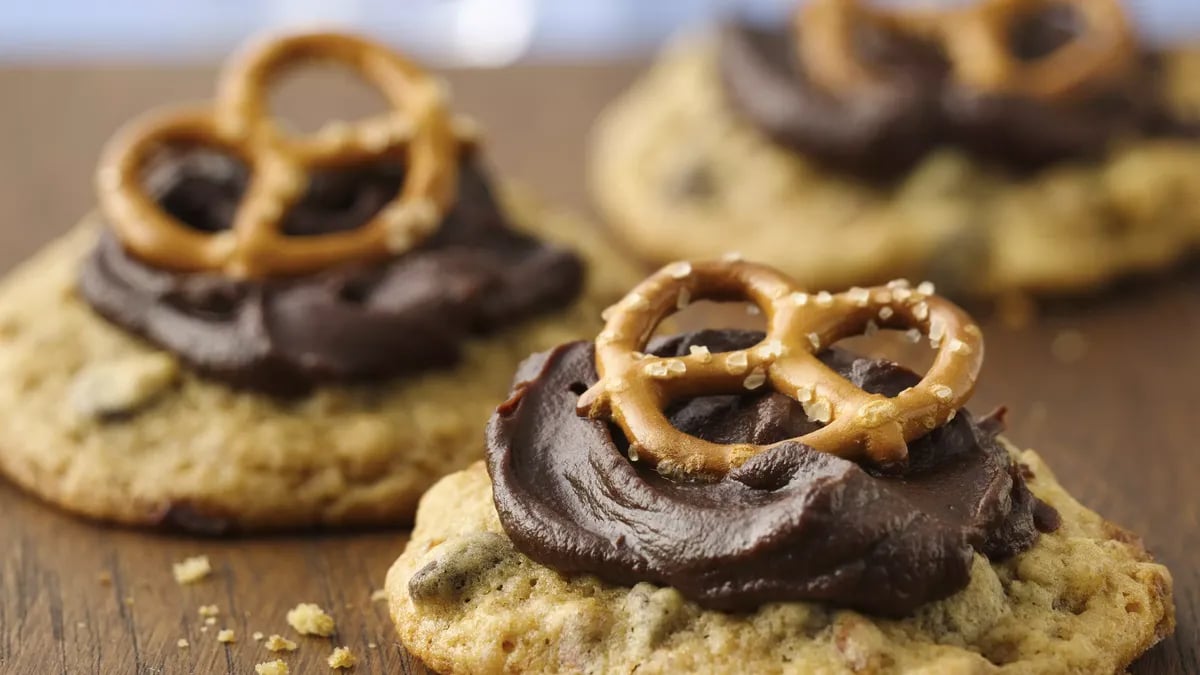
(1105, 389)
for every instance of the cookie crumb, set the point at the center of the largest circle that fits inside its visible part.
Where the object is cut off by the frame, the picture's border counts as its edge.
(276, 667)
(258, 636)
(182, 643)
(309, 619)
(278, 643)
(1069, 346)
(226, 635)
(209, 610)
(192, 569)
(342, 658)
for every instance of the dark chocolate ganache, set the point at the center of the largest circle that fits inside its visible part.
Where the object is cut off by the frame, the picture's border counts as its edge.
(356, 322)
(917, 106)
(791, 524)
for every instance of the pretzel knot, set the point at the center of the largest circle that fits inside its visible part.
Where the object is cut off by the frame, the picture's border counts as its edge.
(977, 42)
(634, 388)
(417, 128)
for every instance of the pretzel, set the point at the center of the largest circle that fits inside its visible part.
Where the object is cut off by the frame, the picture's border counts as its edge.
(634, 388)
(975, 40)
(417, 127)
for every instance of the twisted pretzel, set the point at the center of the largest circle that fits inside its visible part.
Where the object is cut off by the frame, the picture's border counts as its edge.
(975, 40)
(239, 122)
(634, 388)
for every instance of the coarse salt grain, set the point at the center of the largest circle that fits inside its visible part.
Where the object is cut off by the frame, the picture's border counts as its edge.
(773, 349)
(679, 270)
(637, 302)
(824, 299)
(700, 353)
(818, 410)
(755, 379)
(937, 331)
(656, 369)
(859, 296)
(683, 299)
(942, 392)
(886, 313)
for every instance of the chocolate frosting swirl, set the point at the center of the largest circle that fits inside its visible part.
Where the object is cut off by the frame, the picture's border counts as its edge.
(791, 524)
(881, 132)
(358, 322)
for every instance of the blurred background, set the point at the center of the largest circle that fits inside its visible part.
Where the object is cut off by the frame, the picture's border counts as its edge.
(443, 32)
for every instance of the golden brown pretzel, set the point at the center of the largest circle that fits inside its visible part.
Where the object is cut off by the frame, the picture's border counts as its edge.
(239, 122)
(634, 388)
(975, 40)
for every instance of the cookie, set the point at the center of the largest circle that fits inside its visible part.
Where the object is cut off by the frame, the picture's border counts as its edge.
(766, 501)
(106, 425)
(1087, 598)
(680, 172)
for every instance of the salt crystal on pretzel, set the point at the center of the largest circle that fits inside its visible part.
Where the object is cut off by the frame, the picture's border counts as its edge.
(417, 128)
(860, 426)
(975, 39)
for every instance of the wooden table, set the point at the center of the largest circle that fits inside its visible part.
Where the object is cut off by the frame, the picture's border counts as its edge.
(1116, 421)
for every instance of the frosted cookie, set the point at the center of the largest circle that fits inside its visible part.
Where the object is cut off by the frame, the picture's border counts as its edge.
(260, 330)
(734, 501)
(1000, 146)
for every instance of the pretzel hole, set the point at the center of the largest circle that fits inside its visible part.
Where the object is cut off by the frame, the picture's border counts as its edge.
(711, 315)
(882, 47)
(758, 416)
(296, 88)
(200, 186)
(1040, 31)
(339, 199)
(905, 347)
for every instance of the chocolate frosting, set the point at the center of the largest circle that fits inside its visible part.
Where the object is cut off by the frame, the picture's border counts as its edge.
(791, 524)
(917, 107)
(357, 322)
